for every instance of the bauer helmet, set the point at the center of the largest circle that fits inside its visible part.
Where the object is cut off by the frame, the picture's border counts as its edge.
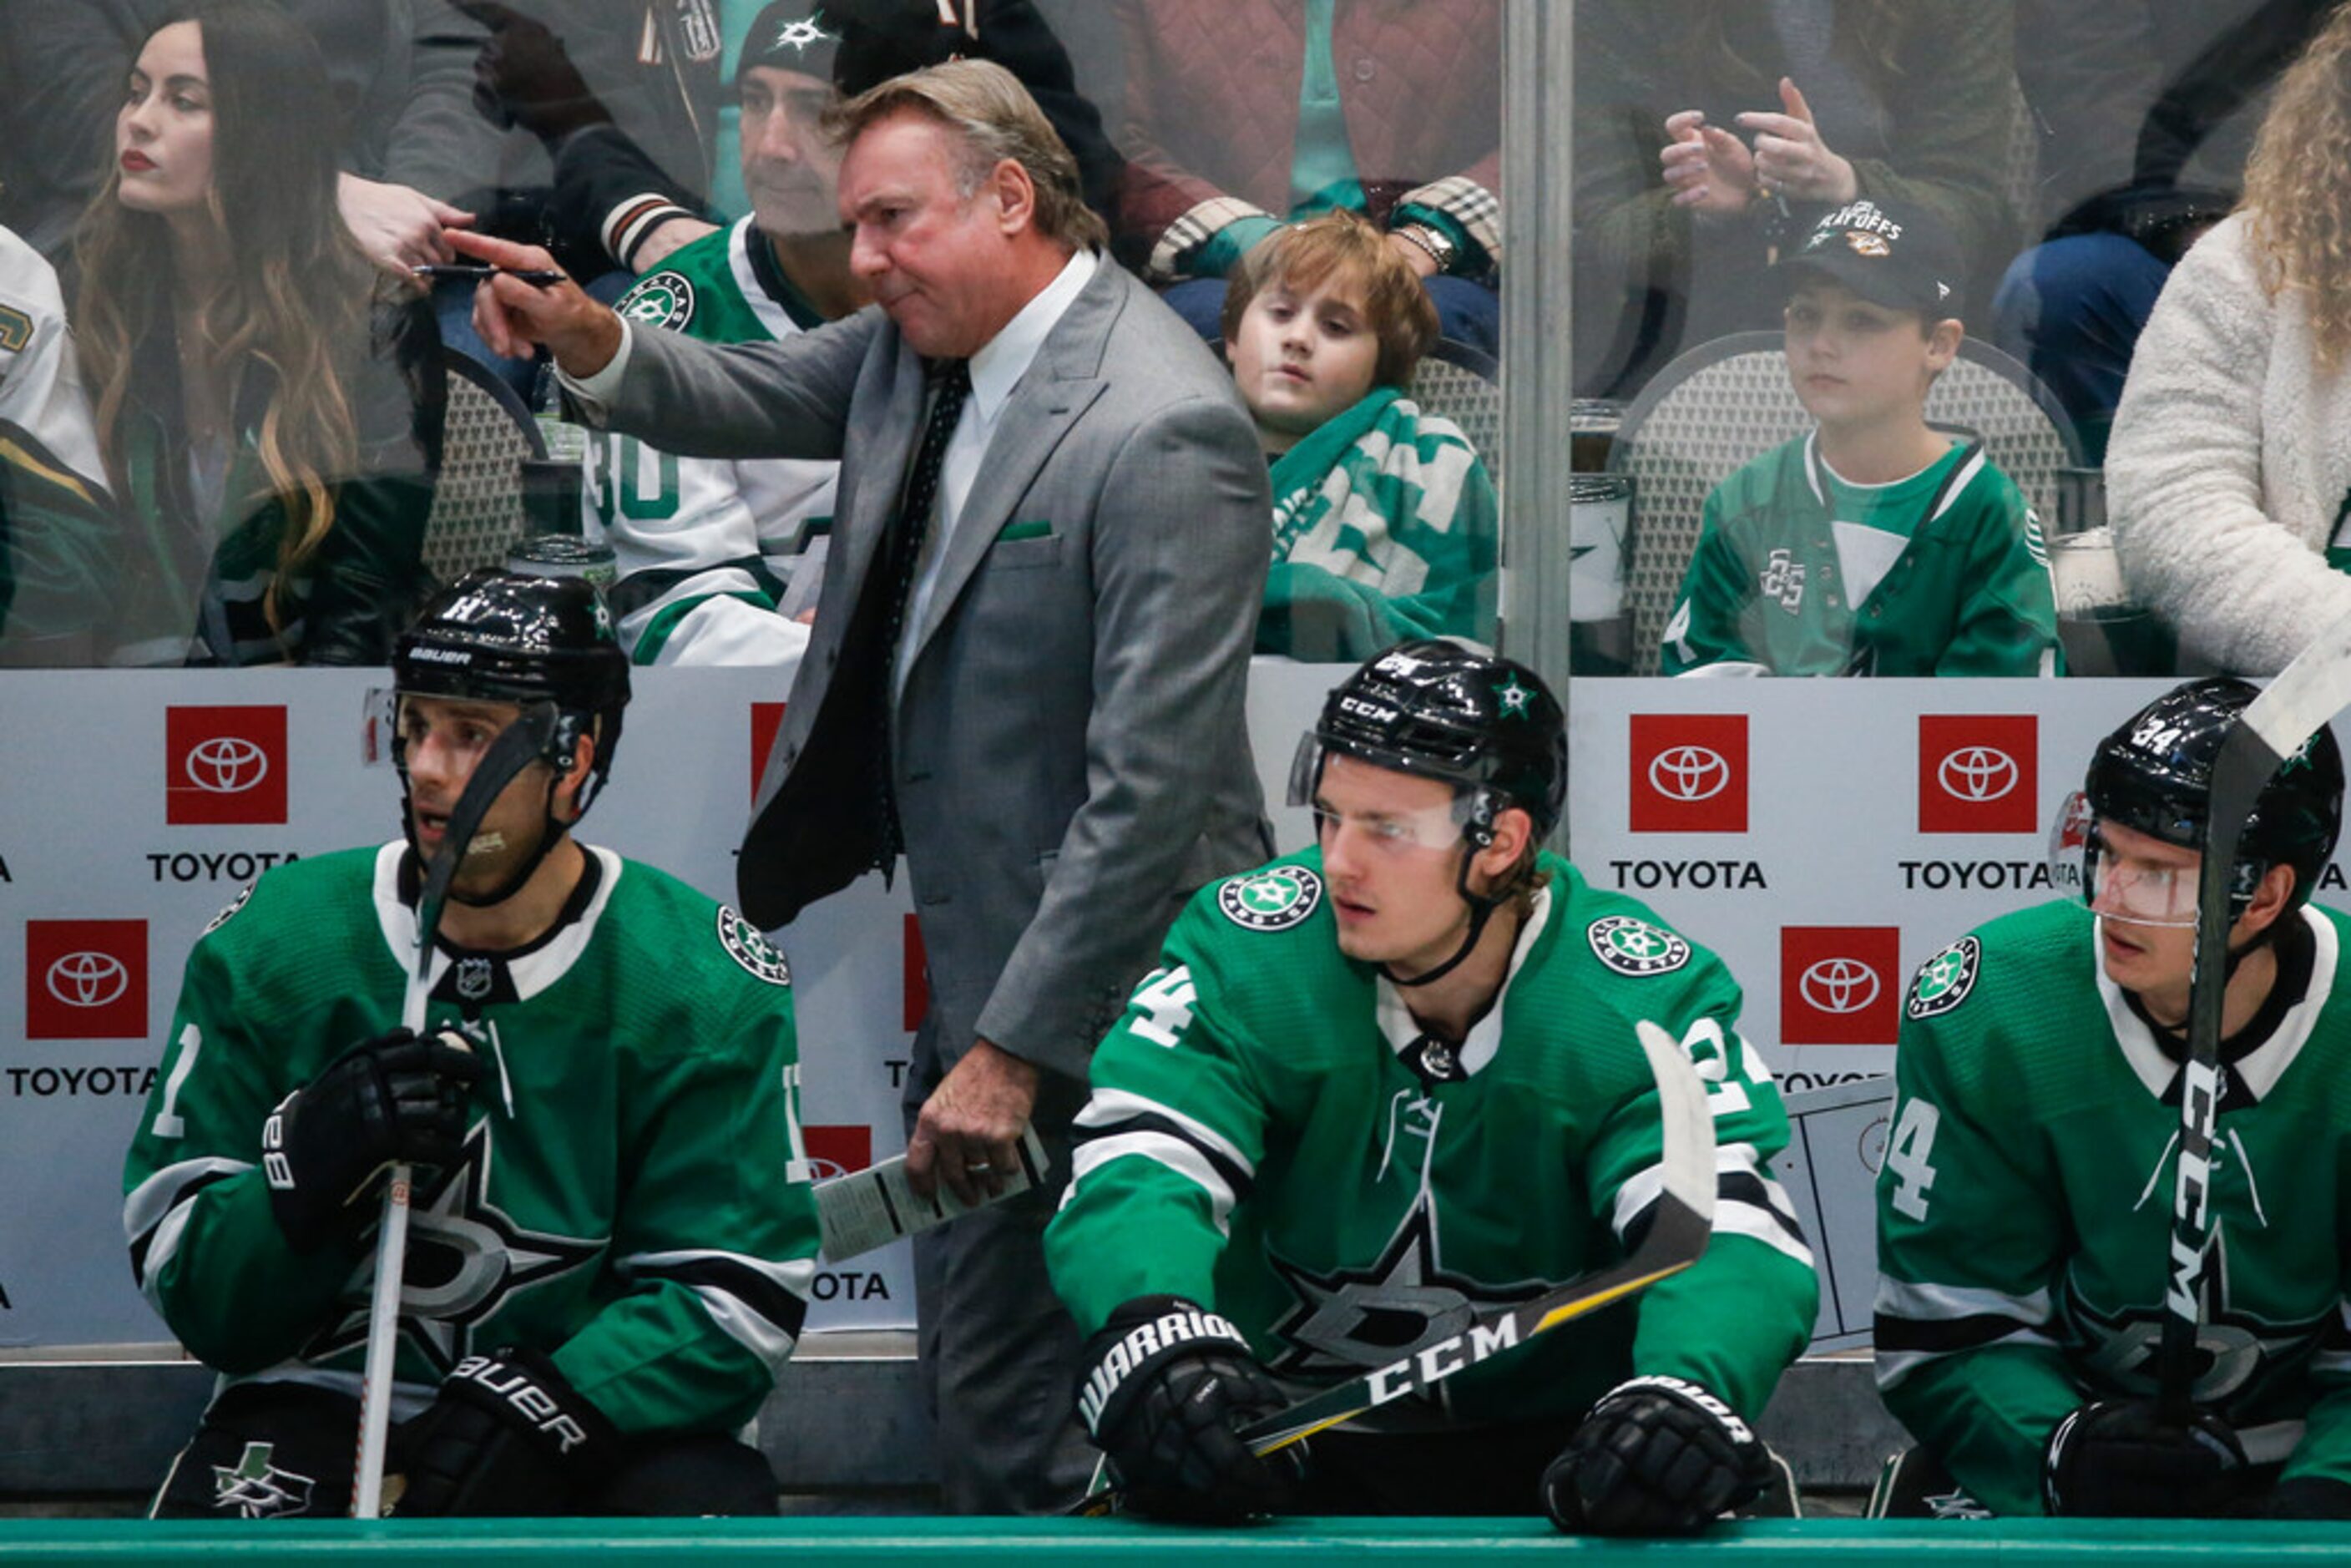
(2155, 775)
(499, 636)
(1440, 710)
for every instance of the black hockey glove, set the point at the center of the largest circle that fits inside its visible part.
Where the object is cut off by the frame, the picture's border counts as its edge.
(506, 1436)
(1657, 1456)
(2120, 1459)
(1167, 1387)
(2308, 1497)
(394, 1098)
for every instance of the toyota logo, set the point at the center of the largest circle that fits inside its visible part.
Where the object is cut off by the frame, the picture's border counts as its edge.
(88, 980)
(1977, 773)
(1838, 985)
(225, 765)
(822, 1169)
(1689, 773)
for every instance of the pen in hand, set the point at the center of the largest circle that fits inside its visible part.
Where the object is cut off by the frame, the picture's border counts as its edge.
(475, 271)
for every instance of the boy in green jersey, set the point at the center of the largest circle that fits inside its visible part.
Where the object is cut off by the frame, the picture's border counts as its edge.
(613, 1236)
(1384, 1087)
(2025, 1201)
(1874, 545)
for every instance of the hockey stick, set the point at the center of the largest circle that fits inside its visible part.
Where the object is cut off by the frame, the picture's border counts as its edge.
(2296, 705)
(1680, 1224)
(517, 747)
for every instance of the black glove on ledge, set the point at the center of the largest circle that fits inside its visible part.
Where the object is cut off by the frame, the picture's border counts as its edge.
(395, 1097)
(1656, 1456)
(2120, 1459)
(507, 1435)
(1166, 1389)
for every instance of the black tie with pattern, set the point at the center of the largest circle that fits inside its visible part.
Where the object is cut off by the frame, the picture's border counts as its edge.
(950, 383)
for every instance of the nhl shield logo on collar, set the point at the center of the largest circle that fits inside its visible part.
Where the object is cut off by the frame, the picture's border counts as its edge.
(1271, 900)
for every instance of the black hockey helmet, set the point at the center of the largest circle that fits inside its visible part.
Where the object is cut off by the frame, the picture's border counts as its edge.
(500, 636)
(1438, 709)
(2155, 774)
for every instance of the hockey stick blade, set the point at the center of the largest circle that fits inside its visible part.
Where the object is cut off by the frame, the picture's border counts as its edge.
(515, 748)
(2302, 698)
(1681, 1222)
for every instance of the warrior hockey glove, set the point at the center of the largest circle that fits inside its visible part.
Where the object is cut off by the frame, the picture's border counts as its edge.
(506, 1434)
(2120, 1459)
(394, 1098)
(1168, 1388)
(1657, 1456)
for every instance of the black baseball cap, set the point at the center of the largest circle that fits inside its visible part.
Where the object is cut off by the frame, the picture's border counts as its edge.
(1898, 256)
(791, 36)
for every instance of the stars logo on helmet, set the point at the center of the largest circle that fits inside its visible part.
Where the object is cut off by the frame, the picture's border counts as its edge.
(603, 620)
(1515, 699)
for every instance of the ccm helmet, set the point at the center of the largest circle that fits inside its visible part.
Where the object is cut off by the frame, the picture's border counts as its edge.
(500, 636)
(2155, 775)
(1438, 709)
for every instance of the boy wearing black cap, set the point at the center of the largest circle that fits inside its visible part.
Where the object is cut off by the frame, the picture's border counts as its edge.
(1874, 545)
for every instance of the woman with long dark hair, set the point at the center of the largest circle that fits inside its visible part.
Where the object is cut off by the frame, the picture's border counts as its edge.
(269, 424)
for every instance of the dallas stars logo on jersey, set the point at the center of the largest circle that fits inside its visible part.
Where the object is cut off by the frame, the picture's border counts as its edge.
(1271, 900)
(259, 1489)
(1945, 979)
(1632, 947)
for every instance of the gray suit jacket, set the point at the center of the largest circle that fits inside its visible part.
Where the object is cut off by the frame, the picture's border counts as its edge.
(1071, 759)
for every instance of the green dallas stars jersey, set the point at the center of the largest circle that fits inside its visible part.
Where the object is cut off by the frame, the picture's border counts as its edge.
(634, 1196)
(1797, 572)
(704, 546)
(1255, 1142)
(2024, 1206)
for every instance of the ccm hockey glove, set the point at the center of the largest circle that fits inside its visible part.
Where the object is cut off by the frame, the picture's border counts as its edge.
(508, 1436)
(1657, 1456)
(1166, 1390)
(396, 1097)
(2120, 1459)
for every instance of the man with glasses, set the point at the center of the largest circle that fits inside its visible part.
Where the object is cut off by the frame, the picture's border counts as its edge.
(1386, 1086)
(2025, 1201)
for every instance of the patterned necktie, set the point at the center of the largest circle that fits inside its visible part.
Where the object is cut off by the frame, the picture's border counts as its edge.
(951, 384)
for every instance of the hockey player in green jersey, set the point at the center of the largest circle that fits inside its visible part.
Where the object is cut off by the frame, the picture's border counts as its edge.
(612, 1236)
(2025, 1201)
(706, 547)
(1874, 544)
(1381, 1088)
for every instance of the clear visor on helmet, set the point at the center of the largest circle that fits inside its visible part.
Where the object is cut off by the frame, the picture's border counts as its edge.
(1436, 827)
(2138, 889)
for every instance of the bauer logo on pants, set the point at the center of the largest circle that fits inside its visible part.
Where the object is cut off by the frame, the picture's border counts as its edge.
(1689, 773)
(225, 765)
(1840, 985)
(1977, 773)
(85, 980)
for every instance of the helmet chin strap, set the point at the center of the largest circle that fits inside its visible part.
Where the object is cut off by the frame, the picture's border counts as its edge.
(548, 832)
(1481, 910)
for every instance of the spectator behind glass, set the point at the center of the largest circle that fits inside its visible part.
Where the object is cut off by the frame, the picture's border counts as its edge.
(1710, 136)
(56, 527)
(2229, 467)
(264, 446)
(706, 547)
(2147, 111)
(1385, 524)
(1240, 113)
(1874, 545)
(405, 133)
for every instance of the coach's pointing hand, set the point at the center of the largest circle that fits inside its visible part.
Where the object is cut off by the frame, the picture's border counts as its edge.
(511, 314)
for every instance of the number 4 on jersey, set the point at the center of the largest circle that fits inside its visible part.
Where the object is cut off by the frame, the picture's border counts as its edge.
(1906, 1157)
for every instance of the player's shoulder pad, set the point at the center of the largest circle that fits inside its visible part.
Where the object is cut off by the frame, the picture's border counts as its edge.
(662, 902)
(2041, 946)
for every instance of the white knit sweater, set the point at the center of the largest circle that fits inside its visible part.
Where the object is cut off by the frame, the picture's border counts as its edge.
(2230, 461)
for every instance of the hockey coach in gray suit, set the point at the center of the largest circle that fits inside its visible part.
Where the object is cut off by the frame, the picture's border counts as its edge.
(1028, 666)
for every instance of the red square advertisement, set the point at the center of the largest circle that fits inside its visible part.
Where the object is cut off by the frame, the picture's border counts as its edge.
(837, 1151)
(1978, 773)
(1840, 985)
(225, 765)
(1689, 773)
(85, 980)
(765, 719)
